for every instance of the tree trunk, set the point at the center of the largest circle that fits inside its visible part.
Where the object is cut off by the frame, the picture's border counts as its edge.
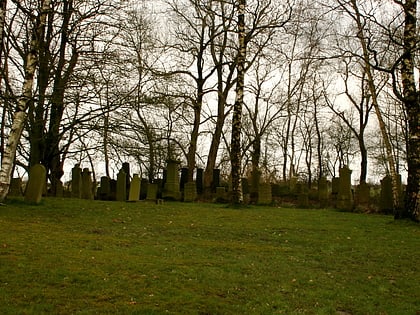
(411, 103)
(19, 118)
(3, 6)
(237, 109)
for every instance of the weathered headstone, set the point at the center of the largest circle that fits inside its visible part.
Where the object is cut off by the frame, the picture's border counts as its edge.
(255, 186)
(36, 183)
(15, 189)
(221, 194)
(76, 181)
(171, 188)
(184, 178)
(190, 192)
(152, 190)
(134, 194)
(264, 194)
(121, 186)
(345, 197)
(386, 199)
(86, 191)
(105, 188)
(335, 185)
(363, 194)
(323, 192)
(200, 181)
(216, 180)
(126, 167)
(143, 188)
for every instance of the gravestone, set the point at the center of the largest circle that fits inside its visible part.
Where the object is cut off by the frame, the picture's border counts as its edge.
(171, 187)
(76, 181)
(36, 184)
(105, 188)
(221, 194)
(190, 192)
(386, 199)
(126, 167)
(86, 191)
(59, 190)
(323, 192)
(335, 184)
(200, 181)
(216, 180)
(293, 181)
(363, 194)
(134, 194)
(152, 190)
(255, 186)
(264, 194)
(143, 188)
(184, 178)
(345, 198)
(15, 189)
(121, 194)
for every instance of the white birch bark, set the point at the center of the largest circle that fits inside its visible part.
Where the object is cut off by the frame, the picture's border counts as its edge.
(19, 117)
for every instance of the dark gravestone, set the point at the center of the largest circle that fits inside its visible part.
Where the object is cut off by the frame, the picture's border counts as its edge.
(171, 188)
(105, 188)
(113, 190)
(363, 194)
(335, 184)
(264, 194)
(200, 181)
(143, 188)
(190, 192)
(152, 190)
(216, 180)
(59, 190)
(345, 197)
(86, 191)
(134, 194)
(126, 167)
(15, 189)
(386, 200)
(121, 186)
(76, 181)
(221, 194)
(323, 192)
(184, 178)
(36, 184)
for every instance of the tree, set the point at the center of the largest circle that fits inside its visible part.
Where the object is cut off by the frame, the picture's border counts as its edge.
(20, 115)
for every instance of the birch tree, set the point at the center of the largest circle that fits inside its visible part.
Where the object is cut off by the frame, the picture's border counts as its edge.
(20, 115)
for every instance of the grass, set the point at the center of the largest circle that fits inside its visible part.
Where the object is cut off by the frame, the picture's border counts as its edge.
(70, 256)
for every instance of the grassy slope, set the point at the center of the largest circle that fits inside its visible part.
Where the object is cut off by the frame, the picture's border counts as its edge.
(85, 257)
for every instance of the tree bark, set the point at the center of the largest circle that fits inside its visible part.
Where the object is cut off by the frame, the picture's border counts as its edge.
(237, 109)
(411, 103)
(20, 116)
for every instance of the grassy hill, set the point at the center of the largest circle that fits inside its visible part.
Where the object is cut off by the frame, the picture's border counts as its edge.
(70, 256)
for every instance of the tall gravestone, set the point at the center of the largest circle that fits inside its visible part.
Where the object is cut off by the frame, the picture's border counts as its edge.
(152, 191)
(323, 192)
(200, 181)
(15, 189)
(135, 185)
(264, 194)
(86, 191)
(190, 192)
(121, 194)
(36, 184)
(76, 181)
(335, 185)
(386, 199)
(126, 167)
(363, 194)
(216, 180)
(184, 178)
(255, 186)
(105, 188)
(143, 188)
(171, 187)
(345, 197)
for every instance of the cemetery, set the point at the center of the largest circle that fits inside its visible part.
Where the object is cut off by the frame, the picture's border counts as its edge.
(337, 193)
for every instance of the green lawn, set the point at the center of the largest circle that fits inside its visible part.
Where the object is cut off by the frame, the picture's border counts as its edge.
(70, 256)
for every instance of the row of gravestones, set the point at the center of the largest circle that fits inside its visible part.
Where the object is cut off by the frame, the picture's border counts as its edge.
(123, 189)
